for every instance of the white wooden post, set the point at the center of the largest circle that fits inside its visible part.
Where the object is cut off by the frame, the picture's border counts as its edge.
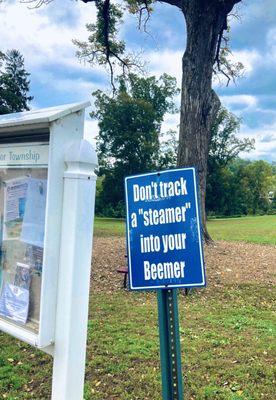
(74, 272)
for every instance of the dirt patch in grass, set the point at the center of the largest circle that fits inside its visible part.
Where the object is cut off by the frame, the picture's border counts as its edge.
(226, 262)
(240, 262)
(108, 256)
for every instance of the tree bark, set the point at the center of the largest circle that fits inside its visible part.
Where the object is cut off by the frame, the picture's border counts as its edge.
(199, 103)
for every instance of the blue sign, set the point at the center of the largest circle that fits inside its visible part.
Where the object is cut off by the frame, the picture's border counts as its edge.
(164, 230)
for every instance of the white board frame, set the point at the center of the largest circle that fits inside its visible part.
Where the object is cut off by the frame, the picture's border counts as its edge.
(65, 128)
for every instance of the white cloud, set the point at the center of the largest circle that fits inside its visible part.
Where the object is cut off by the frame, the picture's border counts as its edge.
(166, 60)
(254, 59)
(41, 39)
(29, 31)
(244, 101)
(265, 141)
(80, 86)
(264, 134)
(251, 59)
(171, 121)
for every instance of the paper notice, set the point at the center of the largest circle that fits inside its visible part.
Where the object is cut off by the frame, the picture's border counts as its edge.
(22, 276)
(14, 303)
(14, 207)
(34, 257)
(34, 217)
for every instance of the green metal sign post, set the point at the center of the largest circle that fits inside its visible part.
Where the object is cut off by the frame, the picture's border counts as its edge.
(170, 353)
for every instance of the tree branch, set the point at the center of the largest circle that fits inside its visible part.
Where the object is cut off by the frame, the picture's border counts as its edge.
(178, 3)
(141, 12)
(220, 37)
(38, 4)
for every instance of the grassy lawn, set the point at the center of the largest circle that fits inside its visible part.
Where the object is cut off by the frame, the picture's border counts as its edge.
(228, 346)
(228, 334)
(109, 227)
(260, 229)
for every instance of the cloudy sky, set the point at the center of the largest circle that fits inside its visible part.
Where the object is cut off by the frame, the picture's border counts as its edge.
(44, 36)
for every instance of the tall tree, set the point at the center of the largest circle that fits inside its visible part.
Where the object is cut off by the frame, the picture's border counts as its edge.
(14, 83)
(129, 130)
(206, 23)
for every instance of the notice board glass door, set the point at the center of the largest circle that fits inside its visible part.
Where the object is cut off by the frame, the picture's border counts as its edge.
(23, 192)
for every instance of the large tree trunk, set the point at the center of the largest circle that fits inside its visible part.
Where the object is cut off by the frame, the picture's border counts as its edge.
(199, 103)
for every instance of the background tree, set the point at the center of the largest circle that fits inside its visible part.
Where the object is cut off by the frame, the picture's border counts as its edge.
(2, 58)
(256, 178)
(224, 147)
(242, 188)
(14, 83)
(129, 133)
(168, 150)
(224, 143)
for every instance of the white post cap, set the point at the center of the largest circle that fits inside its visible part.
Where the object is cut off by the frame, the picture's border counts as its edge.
(80, 159)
